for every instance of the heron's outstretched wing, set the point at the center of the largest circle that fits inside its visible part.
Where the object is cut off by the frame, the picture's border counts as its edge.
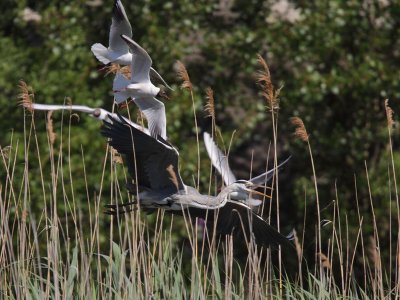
(47, 107)
(141, 61)
(154, 110)
(153, 162)
(238, 219)
(120, 25)
(219, 161)
(263, 178)
(98, 113)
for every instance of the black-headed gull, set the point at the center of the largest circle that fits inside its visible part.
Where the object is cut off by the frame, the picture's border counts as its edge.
(220, 162)
(141, 90)
(118, 51)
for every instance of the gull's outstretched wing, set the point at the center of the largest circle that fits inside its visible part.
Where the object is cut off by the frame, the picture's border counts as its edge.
(263, 178)
(155, 76)
(153, 163)
(219, 161)
(141, 61)
(120, 25)
(154, 110)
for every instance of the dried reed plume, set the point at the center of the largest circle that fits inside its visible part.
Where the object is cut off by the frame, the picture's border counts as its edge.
(172, 174)
(116, 68)
(25, 97)
(184, 76)
(389, 114)
(300, 131)
(5, 151)
(68, 101)
(373, 251)
(116, 157)
(325, 261)
(264, 79)
(50, 128)
(210, 106)
(299, 251)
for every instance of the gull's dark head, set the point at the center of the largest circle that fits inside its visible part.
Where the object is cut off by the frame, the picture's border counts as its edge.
(163, 93)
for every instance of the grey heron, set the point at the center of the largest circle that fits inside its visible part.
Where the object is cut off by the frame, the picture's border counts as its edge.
(153, 164)
(220, 162)
(141, 89)
(217, 158)
(118, 51)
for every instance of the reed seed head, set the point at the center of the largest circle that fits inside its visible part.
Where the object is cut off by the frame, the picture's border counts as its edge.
(184, 76)
(325, 261)
(389, 114)
(210, 106)
(300, 130)
(173, 177)
(116, 157)
(116, 68)
(268, 91)
(50, 128)
(25, 96)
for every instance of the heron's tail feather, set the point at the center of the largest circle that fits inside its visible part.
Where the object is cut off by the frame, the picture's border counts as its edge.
(101, 53)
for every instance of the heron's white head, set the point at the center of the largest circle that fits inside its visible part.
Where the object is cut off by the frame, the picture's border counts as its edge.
(100, 114)
(242, 190)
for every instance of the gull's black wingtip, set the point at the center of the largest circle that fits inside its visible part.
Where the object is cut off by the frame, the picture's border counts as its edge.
(118, 11)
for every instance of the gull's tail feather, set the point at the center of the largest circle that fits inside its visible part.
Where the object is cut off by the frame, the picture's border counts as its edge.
(119, 87)
(101, 53)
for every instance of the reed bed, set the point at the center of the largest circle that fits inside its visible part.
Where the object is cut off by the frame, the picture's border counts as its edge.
(67, 252)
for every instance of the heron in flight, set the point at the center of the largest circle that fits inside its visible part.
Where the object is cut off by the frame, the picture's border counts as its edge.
(220, 162)
(153, 164)
(118, 51)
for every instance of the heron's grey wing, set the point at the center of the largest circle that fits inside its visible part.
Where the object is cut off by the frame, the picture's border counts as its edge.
(219, 161)
(120, 25)
(154, 162)
(141, 61)
(38, 106)
(154, 111)
(263, 178)
(238, 218)
(155, 76)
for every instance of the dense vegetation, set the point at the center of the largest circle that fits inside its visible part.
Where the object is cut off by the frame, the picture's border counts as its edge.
(336, 60)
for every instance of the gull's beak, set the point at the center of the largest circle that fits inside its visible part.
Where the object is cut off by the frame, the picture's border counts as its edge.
(258, 193)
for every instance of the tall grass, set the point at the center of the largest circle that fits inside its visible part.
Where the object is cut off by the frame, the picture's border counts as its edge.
(62, 252)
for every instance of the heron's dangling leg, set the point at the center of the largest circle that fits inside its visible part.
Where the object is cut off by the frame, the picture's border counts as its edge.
(120, 211)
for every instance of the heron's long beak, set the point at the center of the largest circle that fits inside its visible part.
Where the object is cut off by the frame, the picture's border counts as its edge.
(258, 193)
(262, 186)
